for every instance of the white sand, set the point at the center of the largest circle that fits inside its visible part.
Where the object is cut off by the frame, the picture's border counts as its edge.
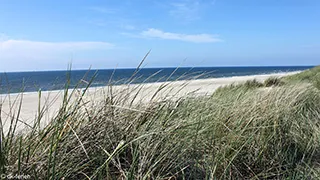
(52, 100)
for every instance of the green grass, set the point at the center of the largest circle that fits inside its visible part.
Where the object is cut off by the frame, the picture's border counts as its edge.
(239, 132)
(250, 85)
(273, 81)
(308, 76)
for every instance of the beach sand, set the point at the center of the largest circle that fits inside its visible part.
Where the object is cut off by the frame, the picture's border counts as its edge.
(51, 101)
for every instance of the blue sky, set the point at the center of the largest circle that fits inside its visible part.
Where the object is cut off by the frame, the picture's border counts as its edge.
(47, 35)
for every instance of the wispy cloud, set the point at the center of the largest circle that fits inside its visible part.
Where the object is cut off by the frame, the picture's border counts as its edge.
(3, 37)
(196, 38)
(185, 11)
(38, 45)
(103, 10)
(35, 50)
(127, 27)
(120, 16)
(98, 22)
(189, 10)
(120, 23)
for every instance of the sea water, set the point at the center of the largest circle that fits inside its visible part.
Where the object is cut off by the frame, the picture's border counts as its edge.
(15, 82)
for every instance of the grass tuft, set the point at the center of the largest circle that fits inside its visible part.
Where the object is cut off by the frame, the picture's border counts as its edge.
(310, 75)
(273, 81)
(242, 131)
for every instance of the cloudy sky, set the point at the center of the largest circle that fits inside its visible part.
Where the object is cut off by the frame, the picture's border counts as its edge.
(48, 35)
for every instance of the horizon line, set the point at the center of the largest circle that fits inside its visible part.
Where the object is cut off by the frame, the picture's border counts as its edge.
(168, 67)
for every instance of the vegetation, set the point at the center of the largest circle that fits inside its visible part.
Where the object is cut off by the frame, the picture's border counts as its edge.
(308, 76)
(273, 81)
(239, 132)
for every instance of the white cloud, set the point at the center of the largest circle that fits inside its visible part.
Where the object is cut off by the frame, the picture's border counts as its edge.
(12, 47)
(25, 54)
(196, 38)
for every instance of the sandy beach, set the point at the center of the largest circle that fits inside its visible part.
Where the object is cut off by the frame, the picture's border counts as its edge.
(51, 101)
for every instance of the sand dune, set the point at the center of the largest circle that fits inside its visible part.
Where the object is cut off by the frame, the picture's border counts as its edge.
(51, 101)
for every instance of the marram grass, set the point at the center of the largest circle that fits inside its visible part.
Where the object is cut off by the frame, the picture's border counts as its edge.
(255, 130)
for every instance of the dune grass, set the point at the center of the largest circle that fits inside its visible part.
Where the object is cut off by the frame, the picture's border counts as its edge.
(239, 132)
(309, 76)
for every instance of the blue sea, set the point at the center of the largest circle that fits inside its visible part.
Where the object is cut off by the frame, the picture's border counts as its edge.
(15, 82)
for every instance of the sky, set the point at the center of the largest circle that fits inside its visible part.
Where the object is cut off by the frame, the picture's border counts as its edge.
(41, 35)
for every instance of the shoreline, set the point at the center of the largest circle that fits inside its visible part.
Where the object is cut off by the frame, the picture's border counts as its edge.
(139, 93)
(204, 79)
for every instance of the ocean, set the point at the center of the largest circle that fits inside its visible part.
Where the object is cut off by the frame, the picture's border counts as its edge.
(15, 82)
